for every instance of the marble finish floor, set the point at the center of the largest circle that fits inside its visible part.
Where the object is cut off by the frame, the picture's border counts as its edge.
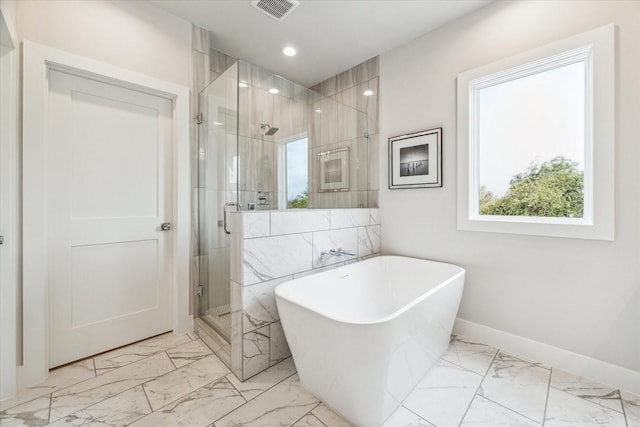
(174, 380)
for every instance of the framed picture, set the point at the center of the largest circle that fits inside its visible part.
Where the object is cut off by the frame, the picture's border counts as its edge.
(415, 160)
(333, 167)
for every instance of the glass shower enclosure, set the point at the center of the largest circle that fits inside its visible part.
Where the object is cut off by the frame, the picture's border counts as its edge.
(217, 185)
(266, 143)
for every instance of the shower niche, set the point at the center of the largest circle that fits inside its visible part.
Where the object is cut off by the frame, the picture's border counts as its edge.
(266, 143)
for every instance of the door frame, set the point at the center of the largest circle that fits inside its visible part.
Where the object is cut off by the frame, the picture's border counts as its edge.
(10, 207)
(37, 60)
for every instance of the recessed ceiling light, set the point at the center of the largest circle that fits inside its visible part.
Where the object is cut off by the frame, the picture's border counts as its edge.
(289, 51)
(273, 90)
(243, 84)
(368, 92)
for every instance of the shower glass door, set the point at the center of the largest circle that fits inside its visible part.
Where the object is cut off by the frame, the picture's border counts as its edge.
(217, 185)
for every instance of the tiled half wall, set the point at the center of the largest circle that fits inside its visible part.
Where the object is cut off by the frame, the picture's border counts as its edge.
(271, 247)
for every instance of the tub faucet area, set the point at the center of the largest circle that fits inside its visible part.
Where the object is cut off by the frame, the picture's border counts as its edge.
(336, 252)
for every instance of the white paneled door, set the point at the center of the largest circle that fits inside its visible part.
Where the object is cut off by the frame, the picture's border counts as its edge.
(109, 191)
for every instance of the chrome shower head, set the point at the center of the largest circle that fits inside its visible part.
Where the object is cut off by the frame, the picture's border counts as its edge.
(270, 130)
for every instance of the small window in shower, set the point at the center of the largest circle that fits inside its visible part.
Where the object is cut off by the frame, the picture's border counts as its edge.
(297, 173)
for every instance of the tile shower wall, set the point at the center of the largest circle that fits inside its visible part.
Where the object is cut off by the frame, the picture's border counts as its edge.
(348, 88)
(271, 247)
(260, 155)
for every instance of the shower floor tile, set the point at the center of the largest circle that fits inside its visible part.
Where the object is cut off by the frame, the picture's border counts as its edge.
(174, 380)
(220, 317)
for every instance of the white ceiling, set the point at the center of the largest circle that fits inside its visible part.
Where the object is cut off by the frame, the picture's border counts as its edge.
(330, 35)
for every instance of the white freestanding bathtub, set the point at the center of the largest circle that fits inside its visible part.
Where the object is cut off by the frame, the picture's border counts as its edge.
(363, 335)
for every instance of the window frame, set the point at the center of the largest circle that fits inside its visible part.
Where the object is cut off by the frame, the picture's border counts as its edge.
(596, 49)
(283, 167)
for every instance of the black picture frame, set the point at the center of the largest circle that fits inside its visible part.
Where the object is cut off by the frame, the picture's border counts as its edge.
(415, 160)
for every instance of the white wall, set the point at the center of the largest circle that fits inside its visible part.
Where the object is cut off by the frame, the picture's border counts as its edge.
(581, 296)
(129, 34)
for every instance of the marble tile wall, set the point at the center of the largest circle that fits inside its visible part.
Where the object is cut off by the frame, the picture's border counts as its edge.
(260, 156)
(271, 247)
(348, 88)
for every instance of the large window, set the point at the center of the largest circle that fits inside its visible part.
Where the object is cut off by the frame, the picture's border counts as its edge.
(531, 141)
(535, 141)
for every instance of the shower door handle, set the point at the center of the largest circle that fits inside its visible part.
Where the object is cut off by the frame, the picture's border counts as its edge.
(224, 215)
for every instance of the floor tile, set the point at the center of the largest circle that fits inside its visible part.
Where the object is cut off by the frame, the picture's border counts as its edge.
(484, 412)
(330, 418)
(87, 393)
(566, 410)
(189, 352)
(309, 420)
(518, 385)
(403, 417)
(130, 384)
(182, 381)
(119, 410)
(470, 354)
(264, 380)
(32, 413)
(58, 378)
(132, 353)
(631, 404)
(282, 405)
(444, 394)
(601, 394)
(199, 408)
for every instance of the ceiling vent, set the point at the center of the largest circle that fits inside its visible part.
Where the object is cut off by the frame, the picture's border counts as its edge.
(277, 9)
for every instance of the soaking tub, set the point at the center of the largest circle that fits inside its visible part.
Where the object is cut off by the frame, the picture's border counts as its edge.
(363, 335)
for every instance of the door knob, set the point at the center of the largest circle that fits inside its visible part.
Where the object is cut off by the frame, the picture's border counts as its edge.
(165, 226)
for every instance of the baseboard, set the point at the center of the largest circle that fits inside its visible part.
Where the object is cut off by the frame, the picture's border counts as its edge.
(578, 364)
(183, 324)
